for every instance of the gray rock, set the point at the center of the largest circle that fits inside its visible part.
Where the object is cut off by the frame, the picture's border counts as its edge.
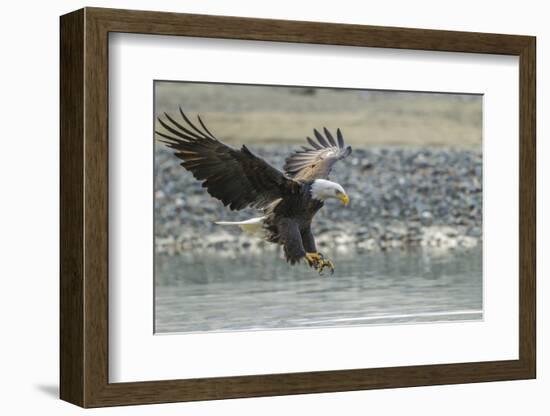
(398, 197)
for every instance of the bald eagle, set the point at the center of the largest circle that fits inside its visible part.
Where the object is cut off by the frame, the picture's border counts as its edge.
(288, 199)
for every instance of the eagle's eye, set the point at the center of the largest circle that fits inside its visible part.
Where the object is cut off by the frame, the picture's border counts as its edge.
(337, 192)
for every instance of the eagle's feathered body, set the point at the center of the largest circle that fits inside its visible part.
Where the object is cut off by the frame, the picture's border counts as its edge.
(240, 179)
(288, 222)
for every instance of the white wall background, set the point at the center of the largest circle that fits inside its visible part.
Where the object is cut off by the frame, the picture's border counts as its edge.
(29, 209)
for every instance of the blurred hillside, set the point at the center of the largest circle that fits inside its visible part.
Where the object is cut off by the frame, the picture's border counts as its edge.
(244, 114)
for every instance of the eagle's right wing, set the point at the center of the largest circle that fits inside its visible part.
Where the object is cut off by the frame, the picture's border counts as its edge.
(238, 178)
(316, 162)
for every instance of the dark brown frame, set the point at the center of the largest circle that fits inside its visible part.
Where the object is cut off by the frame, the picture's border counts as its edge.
(84, 209)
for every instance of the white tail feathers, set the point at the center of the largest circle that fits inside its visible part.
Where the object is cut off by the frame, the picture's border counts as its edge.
(253, 226)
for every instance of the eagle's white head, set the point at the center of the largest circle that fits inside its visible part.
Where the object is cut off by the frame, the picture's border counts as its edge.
(321, 189)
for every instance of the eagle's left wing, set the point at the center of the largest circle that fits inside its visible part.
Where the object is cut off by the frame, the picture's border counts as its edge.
(316, 162)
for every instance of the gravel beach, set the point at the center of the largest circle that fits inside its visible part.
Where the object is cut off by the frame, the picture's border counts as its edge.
(400, 197)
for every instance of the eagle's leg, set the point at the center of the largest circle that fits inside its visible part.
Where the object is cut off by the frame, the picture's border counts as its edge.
(289, 236)
(314, 258)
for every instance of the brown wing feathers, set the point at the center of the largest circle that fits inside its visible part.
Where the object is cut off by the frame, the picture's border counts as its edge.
(316, 162)
(238, 178)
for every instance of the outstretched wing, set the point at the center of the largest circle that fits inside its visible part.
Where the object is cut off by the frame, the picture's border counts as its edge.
(316, 162)
(238, 178)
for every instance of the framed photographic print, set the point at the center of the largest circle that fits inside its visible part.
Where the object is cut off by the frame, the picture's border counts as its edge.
(256, 207)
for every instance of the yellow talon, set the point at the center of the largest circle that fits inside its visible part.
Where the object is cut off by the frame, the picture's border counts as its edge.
(313, 258)
(318, 261)
(326, 263)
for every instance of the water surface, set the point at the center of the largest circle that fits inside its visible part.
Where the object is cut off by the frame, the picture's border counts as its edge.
(199, 293)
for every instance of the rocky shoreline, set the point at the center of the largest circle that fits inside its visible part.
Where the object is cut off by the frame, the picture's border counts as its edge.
(400, 198)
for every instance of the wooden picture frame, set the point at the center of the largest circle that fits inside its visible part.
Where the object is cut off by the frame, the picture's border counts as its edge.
(84, 207)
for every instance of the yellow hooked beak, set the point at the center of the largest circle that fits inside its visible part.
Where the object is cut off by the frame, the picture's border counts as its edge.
(344, 198)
